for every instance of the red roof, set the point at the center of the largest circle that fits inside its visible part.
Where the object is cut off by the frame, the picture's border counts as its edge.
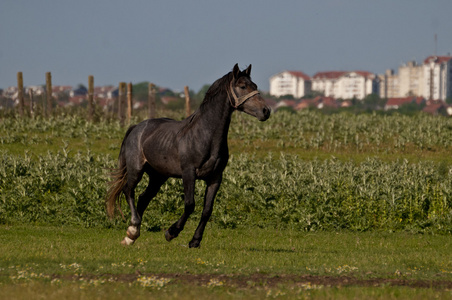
(433, 108)
(316, 102)
(405, 100)
(329, 74)
(364, 73)
(437, 59)
(399, 101)
(337, 74)
(299, 74)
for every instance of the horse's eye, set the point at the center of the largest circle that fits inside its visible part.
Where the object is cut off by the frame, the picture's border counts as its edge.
(243, 87)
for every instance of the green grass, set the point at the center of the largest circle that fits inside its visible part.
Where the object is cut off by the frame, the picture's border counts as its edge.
(311, 206)
(88, 262)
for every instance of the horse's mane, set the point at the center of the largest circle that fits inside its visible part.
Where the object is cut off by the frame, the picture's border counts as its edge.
(220, 85)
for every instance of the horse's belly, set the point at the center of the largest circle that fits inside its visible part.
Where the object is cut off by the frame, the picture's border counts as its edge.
(211, 166)
(166, 166)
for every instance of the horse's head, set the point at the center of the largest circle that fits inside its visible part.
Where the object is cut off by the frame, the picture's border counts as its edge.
(245, 96)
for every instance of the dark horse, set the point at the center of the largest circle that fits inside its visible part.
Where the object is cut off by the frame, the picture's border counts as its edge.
(194, 148)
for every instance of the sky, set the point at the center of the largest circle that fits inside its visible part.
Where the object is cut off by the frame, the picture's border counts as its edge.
(192, 43)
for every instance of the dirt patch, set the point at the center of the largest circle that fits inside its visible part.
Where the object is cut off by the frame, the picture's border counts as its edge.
(265, 280)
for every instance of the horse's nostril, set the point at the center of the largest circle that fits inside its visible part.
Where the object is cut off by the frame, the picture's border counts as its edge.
(266, 112)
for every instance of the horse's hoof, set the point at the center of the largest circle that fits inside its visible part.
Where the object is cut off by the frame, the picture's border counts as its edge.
(168, 236)
(133, 232)
(127, 241)
(194, 244)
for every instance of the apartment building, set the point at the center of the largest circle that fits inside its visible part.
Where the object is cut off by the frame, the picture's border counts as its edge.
(293, 83)
(345, 85)
(388, 85)
(326, 82)
(410, 79)
(437, 79)
(431, 80)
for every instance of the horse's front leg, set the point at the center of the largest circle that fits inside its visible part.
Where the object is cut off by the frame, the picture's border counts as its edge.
(188, 178)
(209, 197)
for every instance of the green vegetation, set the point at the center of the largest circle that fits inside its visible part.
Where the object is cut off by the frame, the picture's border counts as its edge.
(257, 263)
(305, 171)
(312, 205)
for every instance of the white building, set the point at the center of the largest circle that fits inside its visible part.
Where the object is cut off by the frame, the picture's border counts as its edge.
(293, 83)
(389, 85)
(431, 80)
(345, 85)
(437, 79)
(326, 82)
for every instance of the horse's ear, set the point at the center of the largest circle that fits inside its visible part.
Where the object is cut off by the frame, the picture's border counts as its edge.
(236, 71)
(248, 71)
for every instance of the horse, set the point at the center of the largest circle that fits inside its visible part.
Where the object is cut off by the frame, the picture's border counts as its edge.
(191, 149)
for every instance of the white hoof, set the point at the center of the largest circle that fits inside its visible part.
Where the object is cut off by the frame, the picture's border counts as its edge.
(133, 232)
(127, 241)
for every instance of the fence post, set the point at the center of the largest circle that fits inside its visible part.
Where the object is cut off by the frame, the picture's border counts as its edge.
(20, 88)
(187, 101)
(129, 102)
(91, 97)
(121, 101)
(49, 93)
(32, 111)
(151, 100)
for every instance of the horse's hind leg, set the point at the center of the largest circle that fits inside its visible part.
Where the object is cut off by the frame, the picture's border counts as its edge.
(133, 231)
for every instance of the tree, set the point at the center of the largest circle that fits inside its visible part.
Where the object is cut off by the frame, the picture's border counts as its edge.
(373, 101)
(409, 108)
(312, 95)
(287, 97)
(141, 91)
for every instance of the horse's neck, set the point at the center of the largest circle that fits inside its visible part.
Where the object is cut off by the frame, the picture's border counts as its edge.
(217, 117)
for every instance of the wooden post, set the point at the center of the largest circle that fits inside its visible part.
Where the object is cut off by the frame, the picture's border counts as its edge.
(32, 111)
(20, 88)
(151, 100)
(187, 101)
(129, 102)
(91, 97)
(49, 93)
(121, 102)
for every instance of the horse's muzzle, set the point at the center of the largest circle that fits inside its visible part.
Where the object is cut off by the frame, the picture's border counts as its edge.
(265, 114)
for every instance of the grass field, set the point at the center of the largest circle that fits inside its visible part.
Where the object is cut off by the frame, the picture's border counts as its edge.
(75, 262)
(312, 206)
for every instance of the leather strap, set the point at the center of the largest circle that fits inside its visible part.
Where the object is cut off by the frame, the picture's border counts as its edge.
(240, 100)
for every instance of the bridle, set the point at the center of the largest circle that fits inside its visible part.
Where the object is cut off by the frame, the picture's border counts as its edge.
(239, 100)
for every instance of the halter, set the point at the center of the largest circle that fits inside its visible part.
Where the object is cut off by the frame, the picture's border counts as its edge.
(240, 100)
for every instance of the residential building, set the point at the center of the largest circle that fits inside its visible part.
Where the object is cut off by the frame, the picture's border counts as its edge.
(326, 82)
(356, 84)
(345, 85)
(431, 80)
(410, 79)
(437, 80)
(389, 84)
(293, 83)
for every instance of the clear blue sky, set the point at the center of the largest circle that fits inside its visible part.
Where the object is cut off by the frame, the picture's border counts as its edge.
(178, 43)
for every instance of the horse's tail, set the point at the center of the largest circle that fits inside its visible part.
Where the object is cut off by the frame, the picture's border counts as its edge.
(119, 180)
